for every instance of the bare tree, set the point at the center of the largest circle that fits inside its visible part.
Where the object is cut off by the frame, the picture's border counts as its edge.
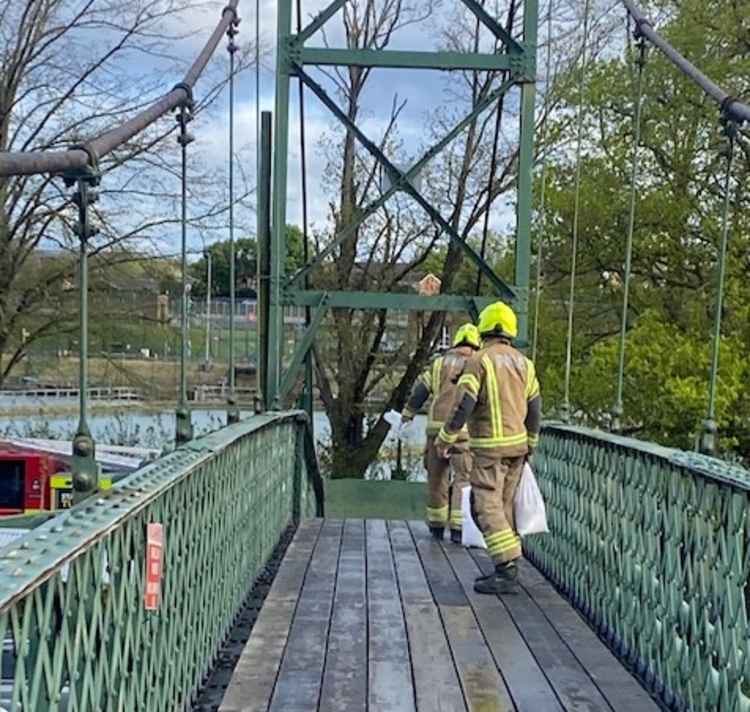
(397, 240)
(70, 69)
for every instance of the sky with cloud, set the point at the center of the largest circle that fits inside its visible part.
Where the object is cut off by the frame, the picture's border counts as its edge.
(423, 91)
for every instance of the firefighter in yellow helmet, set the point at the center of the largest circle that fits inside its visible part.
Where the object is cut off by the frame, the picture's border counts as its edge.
(440, 381)
(498, 397)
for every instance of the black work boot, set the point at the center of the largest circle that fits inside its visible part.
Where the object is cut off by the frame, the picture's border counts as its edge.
(437, 532)
(503, 580)
(456, 536)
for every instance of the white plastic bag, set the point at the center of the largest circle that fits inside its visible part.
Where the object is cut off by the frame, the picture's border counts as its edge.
(403, 430)
(470, 534)
(528, 505)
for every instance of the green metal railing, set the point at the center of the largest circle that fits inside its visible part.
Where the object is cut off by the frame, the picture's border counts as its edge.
(653, 546)
(72, 617)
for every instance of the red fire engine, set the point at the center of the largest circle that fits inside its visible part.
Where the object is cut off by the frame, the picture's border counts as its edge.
(32, 482)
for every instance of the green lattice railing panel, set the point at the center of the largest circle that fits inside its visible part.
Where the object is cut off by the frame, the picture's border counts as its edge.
(652, 545)
(77, 635)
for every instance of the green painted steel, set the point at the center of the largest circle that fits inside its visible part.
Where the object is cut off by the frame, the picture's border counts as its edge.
(387, 300)
(397, 183)
(653, 546)
(279, 196)
(72, 591)
(518, 59)
(618, 409)
(401, 59)
(525, 177)
(302, 351)
(709, 438)
(576, 213)
(375, 499)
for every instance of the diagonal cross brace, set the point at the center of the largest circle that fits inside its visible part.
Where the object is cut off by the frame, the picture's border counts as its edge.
(494, 26)
(290, 377)
(397, 175)
(320, 19)
(397, 185)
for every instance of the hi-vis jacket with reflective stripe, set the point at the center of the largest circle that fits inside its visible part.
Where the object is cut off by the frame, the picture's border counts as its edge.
(502, 387)
(440, 380)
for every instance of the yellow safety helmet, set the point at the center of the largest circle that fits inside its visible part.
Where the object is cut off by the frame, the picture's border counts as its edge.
(467, 334)
(499, 318)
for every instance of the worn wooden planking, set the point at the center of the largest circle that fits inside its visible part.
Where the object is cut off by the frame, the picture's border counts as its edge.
(575, 689)
(623, 692)
(526, 681)
(345, 680)
(298, 685)
(254, 677)
(483, 686)
(435, 679)
(390, 686)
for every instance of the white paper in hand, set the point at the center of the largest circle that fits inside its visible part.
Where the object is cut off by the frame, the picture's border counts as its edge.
(404, 430)
(470, 534)
(393, 418)
(528, 505)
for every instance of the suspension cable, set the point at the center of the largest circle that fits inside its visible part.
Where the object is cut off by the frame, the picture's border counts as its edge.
(543, 191)
(576, 215)
(233, 415)
(731, 107)
(184, 428)
(493, 157)
(618, 409)
(709, 444)
(308, 397)
(259, 365)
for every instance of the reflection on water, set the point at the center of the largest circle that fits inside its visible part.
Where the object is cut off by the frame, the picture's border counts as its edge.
(156, 430)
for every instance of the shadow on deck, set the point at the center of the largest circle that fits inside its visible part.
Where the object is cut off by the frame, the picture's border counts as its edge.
(377, 616)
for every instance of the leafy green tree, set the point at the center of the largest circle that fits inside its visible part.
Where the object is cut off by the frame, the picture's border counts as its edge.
(245, 252)
(677, 233)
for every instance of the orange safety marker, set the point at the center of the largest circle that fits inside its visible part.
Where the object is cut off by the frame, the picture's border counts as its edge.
(154, 565)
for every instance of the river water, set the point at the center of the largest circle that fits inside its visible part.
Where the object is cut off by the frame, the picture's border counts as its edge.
(133, 427)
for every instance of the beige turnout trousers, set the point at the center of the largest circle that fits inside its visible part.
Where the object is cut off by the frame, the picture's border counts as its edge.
(493, 485)
(440, 511)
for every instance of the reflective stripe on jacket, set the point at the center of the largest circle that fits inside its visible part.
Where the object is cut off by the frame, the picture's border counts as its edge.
(503, 381)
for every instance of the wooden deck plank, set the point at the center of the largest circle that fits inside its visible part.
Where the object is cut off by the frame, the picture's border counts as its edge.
(389, 665)
(376, 616)
(344, 682)
(299, 681)
(571, 682)
(435, 679)
(484, 688)
(525, 679)
(255, 675)
(621, 689)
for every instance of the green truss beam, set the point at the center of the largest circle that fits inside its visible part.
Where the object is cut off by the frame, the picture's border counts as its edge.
(410, 174)
(290, 378)
(320, 20)
(493, 26)
(387, 300)
(501, 287)
(400, 59)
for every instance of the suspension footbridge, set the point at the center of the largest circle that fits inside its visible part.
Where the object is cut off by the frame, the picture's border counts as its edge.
(637, 599)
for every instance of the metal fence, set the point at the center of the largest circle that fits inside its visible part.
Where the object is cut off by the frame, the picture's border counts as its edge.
(653, 546)
(72, 616)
